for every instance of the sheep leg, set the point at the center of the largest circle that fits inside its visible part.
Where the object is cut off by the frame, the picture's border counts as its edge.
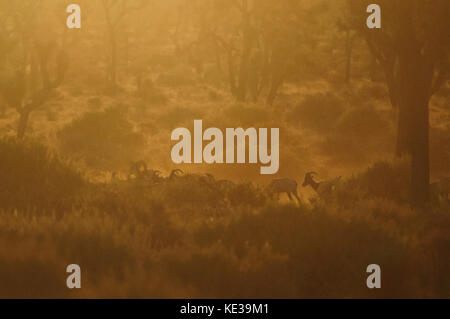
(296, 196)
(289, 195)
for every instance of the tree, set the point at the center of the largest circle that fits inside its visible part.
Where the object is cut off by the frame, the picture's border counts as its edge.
(115, 12)
(412, 47)
(345, 26)
(258, 41)
(33, 64)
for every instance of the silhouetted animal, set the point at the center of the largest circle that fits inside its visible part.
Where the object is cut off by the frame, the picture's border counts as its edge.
(139, 170)
(324, 188)
(440, 189)
(175, 173)
(285, 185)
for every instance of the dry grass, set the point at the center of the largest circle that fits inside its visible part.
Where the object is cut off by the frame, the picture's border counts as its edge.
(179, 240)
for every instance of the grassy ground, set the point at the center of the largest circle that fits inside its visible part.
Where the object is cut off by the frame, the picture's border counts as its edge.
(194, 237)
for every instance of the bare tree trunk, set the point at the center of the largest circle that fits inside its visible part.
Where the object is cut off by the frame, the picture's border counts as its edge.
(246, 54)
(244, 70)
(231, 73)
(276, 84)
(23, 123)
(254, 77)
(113, 62)
(217, 52)
(414, 95)
(403, 131)
(373, 68)
(348, 55)
(420, 177)
(278, 70)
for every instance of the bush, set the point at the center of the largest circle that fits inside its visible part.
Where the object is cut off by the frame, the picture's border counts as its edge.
(151, 94)
(246, 114)
(180, 76)
(326, 255)
(132, 241)
(32, 178)
(318, 112)
(375, 90)
(359, 134)
(385, 180)
(363, 122)
(103, 139)
(439, 155)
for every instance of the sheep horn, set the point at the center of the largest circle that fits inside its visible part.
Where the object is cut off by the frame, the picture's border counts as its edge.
(177, 171)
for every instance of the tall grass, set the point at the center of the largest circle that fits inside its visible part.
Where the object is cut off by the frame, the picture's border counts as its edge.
(177, 239)
(34, 179)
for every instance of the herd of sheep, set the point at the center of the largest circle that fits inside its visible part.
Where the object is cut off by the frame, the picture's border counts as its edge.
(140, 172)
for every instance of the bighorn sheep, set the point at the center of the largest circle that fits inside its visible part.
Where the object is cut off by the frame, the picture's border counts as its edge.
(285, 185)
(440, 189)
(175, 173)
(207, 179)
(324, 188)
(140, 171)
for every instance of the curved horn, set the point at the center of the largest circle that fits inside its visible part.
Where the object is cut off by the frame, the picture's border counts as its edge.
(176, 171)
(138, 165)
(157, 173)
(312, 173)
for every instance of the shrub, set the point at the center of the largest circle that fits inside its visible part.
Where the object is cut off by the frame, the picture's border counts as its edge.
(245, 195)
(318, 112)
(439, 155)
(362, 122)
(103, 139)
(245, 114)
(33, 178)
(370, 89)
(152, 94)
(385, 179)
(359, 133)
(180, 76)
(326, 255)
(129, 236)
(95, 102)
